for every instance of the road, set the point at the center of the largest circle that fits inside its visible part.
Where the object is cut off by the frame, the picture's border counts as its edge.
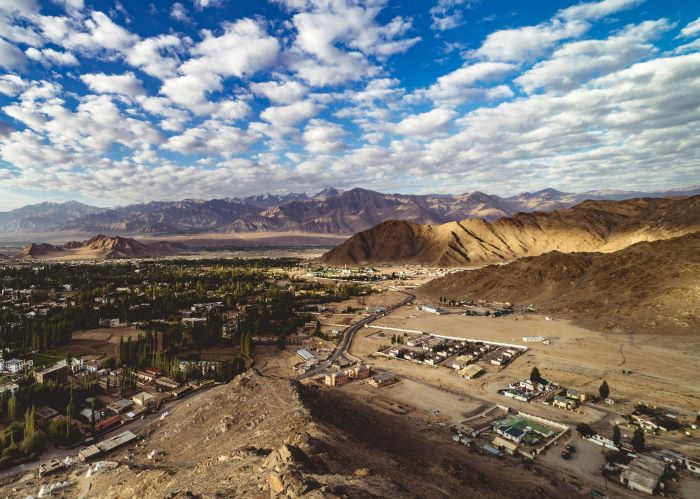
(349, 334)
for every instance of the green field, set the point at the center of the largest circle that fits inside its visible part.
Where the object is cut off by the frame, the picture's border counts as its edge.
(522, 423)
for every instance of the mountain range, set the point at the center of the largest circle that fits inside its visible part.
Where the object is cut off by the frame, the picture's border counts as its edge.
(646, 287)
(328, 212)
(603, 226)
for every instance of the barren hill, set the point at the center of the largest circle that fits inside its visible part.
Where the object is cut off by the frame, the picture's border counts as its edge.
(102, 247)
(603, 226)
(270, 437)
(648, 287)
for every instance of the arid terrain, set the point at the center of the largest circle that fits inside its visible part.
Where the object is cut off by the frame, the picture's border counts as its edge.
(645, 288)
(104, 248)
(590, 226)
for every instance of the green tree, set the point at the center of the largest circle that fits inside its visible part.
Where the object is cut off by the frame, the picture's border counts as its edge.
(604, 390)
(12, 408)
(638, 440)
(535, 376)
(617, 436)
(585, 430)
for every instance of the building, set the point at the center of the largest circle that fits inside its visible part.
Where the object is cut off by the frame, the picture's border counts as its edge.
(44, 414)
(461, 361)
(168, 383)
(471, 371)
(564, 402)
(359, 372)
(15, 366)
(505, 445)
(106, 446)
(144, 399)
(337, 378)
(511, 433)
(306, 355)
(574, 394)
(120, 405)
(533, 339)
(58, 373)
(432, 309)
(9, 387)
(643, 474)
(383, 379)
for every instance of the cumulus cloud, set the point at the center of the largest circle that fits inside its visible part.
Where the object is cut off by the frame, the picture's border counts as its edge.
(50, 57)
(577, 62)
(126, 84)
(425, 124)
(280, 92)
(10, 56)
(691, 29)
(324, 137)
(335, 40)
(448, 14)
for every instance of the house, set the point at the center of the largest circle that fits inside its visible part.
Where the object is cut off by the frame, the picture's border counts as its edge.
(88, 414)
(337, 378)
(15, 366)
(574, 394)
(120, 405)
(44, 414)
(168, 383)
(461, 361)
(383, 379)
(57, 372)
(505, 445)
(144, 399)
(511, 433)
(564, 402)
(643, 474)
(471, 371)
(9, 387)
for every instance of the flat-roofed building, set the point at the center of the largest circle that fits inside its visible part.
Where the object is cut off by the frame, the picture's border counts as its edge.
(471, 371)
(643, 474)
(337, 378)
(382, 379)
(57, 372)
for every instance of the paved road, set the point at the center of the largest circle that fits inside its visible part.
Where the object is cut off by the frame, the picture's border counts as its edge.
(349, 334)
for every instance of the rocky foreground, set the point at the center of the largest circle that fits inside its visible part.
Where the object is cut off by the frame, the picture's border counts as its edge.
(263, 436)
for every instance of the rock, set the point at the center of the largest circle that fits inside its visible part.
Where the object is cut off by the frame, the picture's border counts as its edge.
(275, 482)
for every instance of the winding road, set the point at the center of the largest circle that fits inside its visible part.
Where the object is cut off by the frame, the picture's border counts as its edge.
(342, 350)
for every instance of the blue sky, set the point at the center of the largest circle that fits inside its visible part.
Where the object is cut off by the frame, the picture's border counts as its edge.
(118, 102)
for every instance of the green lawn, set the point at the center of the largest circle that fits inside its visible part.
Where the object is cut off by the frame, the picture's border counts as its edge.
(45, 359)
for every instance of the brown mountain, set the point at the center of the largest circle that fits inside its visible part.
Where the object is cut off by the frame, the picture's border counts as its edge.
(590, 226)
(103, 247)
(647, 287)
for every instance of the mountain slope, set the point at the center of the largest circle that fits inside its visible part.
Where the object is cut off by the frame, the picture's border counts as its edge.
(44, 216)
(102, 247)
(647, 287)
(590, 226)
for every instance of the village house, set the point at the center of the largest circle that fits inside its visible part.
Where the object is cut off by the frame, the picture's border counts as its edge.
(144, 399)
(643, 474)
(57, 372)
(383, 379)
(564, 402)
(471, 371)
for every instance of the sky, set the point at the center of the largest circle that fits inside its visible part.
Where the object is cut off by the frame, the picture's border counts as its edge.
(117, 102)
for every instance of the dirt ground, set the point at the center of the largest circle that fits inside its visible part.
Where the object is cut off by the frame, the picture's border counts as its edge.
(99, 342)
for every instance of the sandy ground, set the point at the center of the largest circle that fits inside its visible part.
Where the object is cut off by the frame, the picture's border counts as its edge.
(99, 342)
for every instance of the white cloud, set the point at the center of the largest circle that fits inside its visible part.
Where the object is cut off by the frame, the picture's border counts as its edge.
(691, 29)
(324, 137)
(243, 49)
(335, 39)
(11, 85)
(212, 137)
(530, 42)
(425, 124)
(447, 14)
(577, 62)
(148, 55)
(284, 117)
(10, 56)
(179, 12)
(50, 57)
(125, 84)
(461, 84)
(286, 92)
(203, 4)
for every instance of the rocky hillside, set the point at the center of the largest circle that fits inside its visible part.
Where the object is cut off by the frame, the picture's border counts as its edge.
(103, 247)
(649, 287)
(328, 212)
(590, 226)
(269, 437)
